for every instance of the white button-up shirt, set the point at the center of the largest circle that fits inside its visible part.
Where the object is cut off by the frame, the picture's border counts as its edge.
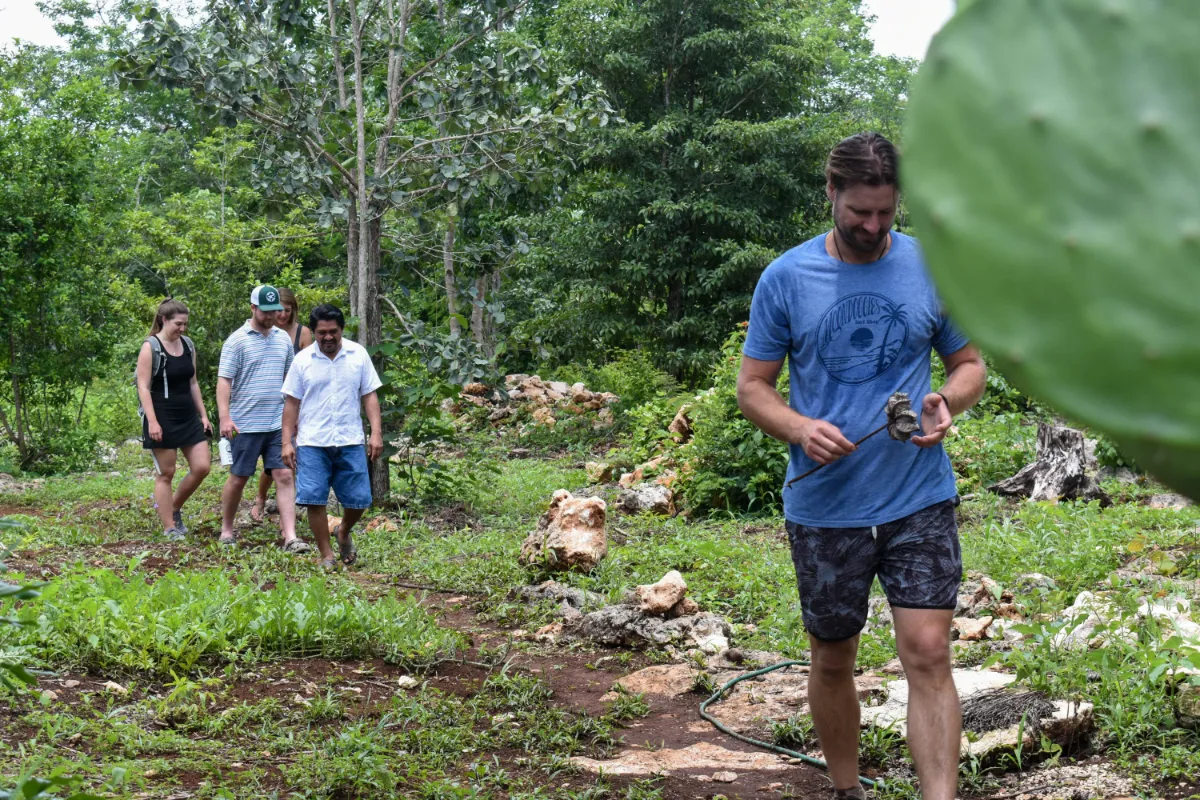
(330, 392)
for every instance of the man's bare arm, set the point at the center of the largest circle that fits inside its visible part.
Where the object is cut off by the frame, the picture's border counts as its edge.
(762, 404)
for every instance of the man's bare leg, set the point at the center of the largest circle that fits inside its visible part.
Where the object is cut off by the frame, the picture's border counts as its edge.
(833, 700)
(318, 521)
(934, 715)
(231, 496)
(285, 496)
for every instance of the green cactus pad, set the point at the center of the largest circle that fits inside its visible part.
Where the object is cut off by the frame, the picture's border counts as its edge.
(1052, 165)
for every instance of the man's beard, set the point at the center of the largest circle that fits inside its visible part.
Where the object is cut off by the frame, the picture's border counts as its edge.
(859, 240)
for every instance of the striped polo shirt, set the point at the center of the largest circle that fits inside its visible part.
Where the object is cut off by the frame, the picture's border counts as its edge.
(256, 363)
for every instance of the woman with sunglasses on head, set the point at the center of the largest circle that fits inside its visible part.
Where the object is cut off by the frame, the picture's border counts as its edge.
(301, 337)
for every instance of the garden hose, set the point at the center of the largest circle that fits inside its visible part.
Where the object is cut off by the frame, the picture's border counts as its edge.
(720, 694)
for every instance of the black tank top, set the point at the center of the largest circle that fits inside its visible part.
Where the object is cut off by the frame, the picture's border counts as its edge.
(179, 370)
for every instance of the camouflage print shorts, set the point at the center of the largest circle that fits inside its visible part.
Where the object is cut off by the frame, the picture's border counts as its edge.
(917, 559)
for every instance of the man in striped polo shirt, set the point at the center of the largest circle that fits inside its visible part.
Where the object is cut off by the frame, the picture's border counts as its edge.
(254, 360)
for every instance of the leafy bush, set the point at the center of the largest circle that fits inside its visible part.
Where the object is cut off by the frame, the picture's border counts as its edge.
(729, 463)
(1108, 455)
(990, 448)
(630, 374)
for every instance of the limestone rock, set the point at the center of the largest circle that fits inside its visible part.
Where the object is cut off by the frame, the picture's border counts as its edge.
(684, 608)
(647, 498)
(665, 761)
(475, 389)
(544, 416)
(972, 630)
(558, 593)
(570, 535)
(501, 413)
(659, 598)
(629, 626)
(1169, 500)
(598, 471)
(681, 426)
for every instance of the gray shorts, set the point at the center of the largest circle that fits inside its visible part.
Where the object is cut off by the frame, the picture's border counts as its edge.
(917, 559)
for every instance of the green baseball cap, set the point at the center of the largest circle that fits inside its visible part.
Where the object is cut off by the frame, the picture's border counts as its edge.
(266, 298)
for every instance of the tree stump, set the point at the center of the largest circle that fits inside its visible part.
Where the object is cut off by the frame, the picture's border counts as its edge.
(1060, 471)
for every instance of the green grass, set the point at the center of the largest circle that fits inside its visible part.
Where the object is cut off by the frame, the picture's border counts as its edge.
(177, 640)
(97, 619)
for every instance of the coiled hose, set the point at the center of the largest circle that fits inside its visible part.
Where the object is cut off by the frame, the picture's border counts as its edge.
(720, 695)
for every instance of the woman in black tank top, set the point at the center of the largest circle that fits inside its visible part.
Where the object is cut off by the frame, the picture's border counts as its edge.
(301, 337)
(174, 414)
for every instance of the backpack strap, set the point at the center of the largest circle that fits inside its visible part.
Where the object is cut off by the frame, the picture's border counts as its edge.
(296, 344)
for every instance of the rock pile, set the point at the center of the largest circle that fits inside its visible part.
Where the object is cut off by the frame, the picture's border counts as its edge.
(542, 401)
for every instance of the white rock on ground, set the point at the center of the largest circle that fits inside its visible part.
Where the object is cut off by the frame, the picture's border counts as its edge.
(629, 626)
(1173, 612)
(570, 535)
(658, 598)
(1067, 720)
(700, 756)
(647, 498)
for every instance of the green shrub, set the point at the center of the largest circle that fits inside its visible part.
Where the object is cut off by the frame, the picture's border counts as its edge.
(629, 374)
(729, 463)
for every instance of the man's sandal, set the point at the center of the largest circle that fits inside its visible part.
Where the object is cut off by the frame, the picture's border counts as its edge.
(296, 546)
(227, 541)
(347, 552)
(329, 564)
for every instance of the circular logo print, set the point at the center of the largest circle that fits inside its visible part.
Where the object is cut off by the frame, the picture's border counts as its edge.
(861, 336)
(271, 297)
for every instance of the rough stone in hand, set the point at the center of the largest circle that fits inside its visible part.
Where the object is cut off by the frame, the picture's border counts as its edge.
(570, 535)
(659, 598)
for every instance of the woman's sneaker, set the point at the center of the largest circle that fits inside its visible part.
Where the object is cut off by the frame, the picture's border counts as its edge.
(179, 526)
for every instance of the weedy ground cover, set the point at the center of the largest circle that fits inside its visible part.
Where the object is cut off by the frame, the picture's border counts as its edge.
(193, 631)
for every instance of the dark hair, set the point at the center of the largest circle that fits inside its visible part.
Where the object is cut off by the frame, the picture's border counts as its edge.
(864, 158)
(328, 312)
(167, 309)
(288, 298)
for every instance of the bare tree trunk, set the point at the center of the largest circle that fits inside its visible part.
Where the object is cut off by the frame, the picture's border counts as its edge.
(448, 278)
(477, 332)
(336, 49)
(18, 406)
(369, 220)
(352, 256)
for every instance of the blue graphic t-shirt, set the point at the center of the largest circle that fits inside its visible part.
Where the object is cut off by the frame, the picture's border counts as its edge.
(853, 334)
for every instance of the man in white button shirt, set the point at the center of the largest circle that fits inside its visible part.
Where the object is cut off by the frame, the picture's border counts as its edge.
(329, 382)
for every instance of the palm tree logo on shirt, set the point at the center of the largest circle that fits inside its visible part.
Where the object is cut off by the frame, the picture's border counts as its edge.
(861, 336)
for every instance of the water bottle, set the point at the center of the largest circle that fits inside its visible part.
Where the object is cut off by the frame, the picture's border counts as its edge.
(226, 451)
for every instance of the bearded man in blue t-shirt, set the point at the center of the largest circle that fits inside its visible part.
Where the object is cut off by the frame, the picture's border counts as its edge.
(856, 316)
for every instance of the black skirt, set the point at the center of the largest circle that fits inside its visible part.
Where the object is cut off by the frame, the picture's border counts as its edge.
(181, 425)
